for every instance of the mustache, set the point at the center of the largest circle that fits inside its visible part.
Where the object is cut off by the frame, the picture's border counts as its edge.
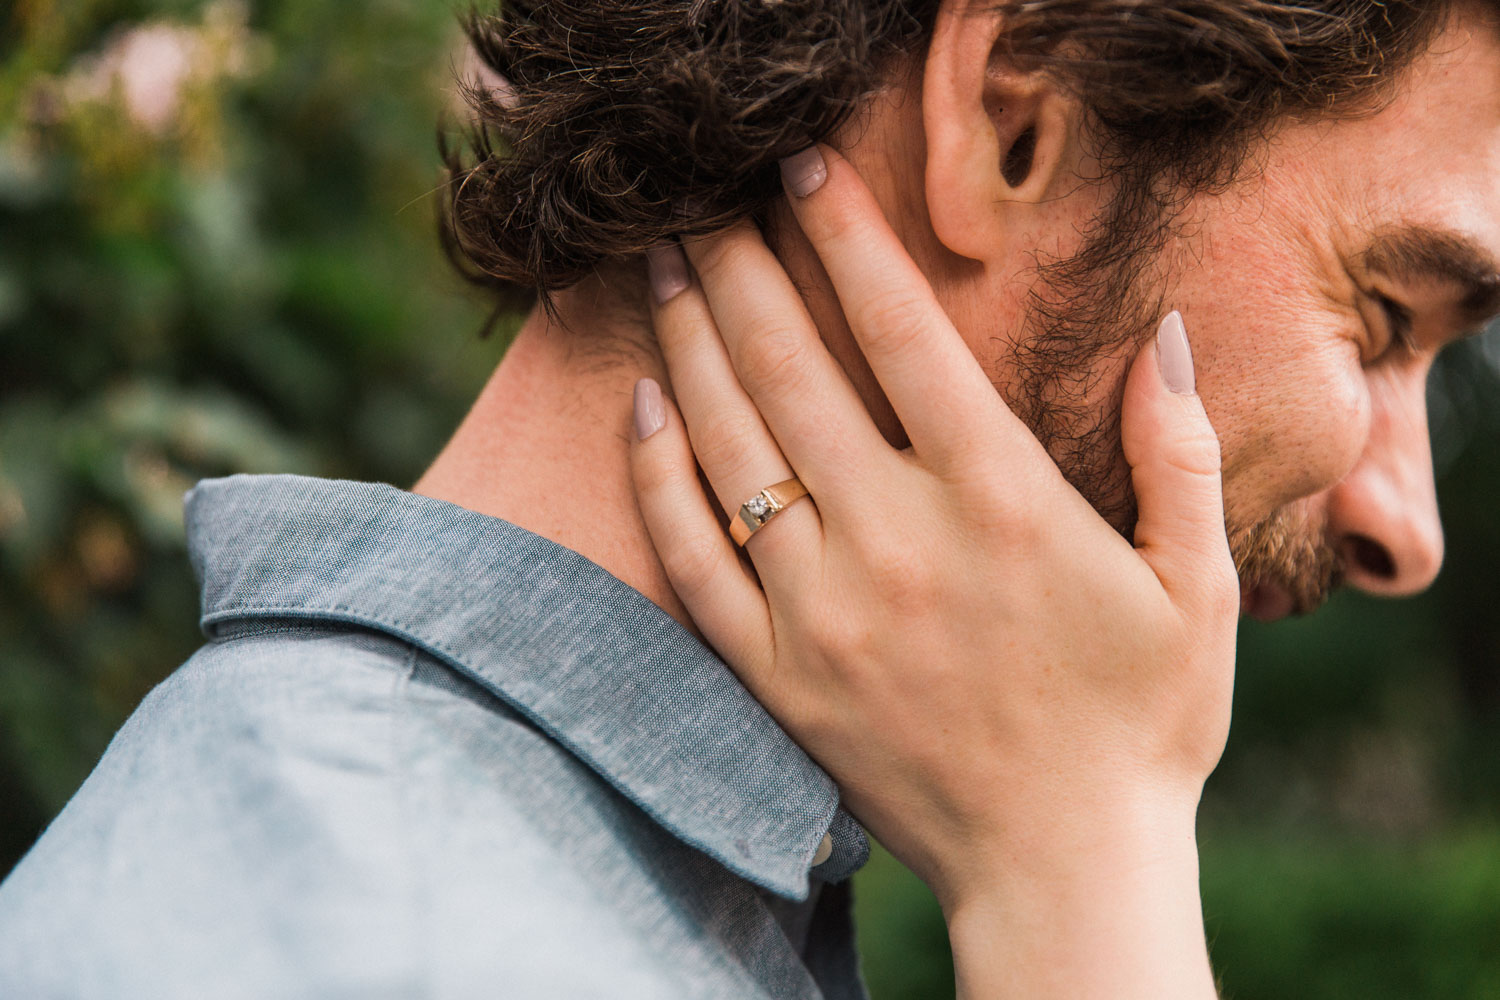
(1291, 551)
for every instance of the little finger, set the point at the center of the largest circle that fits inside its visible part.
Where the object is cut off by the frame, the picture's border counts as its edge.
(715, 586)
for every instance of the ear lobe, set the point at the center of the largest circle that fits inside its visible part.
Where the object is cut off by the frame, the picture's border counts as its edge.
(997, 140)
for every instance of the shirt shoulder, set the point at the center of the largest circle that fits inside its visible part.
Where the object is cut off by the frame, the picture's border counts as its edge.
(427, 752)
(305, 811)
(312, 811)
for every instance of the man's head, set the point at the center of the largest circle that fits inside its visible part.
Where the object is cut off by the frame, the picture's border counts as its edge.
(1065, 172)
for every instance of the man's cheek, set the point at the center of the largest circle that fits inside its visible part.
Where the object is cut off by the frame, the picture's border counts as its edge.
(1302, 434)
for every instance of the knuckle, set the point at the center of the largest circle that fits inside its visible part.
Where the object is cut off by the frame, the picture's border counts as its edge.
(724, 443)
(691, 563)
(903, 577)
(654, 483)
(843, 640)
(773, 361)
(1195, 452)
(894, 322)
(1007, 511)
(987, 494)
(721, 253)
(663, 483)
(840, 222)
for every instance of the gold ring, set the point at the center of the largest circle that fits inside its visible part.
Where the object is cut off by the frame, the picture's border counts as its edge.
(766, 504)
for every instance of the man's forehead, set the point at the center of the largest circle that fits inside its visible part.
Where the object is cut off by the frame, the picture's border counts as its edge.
(1461, 59)
(1418, 182)
(1451, 90)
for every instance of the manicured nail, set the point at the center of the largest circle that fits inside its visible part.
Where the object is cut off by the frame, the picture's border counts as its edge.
(1174, 356)
(667, 265)
(804, 172)
(650, 412)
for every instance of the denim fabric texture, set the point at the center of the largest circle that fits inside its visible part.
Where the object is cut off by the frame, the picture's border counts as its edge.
(426, 753)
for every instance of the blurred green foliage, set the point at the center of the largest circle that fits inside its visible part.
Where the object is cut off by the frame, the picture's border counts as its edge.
(216, 255)
(238, 272)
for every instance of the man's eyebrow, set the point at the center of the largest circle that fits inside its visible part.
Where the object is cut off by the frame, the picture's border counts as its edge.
(1421, 252)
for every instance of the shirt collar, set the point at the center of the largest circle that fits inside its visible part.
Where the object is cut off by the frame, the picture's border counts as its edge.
(591, 661)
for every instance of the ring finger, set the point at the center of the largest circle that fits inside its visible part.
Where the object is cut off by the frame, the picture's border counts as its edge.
(737, 453)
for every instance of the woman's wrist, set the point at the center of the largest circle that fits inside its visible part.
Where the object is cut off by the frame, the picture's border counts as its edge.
(1108, 907)
(1049, 836)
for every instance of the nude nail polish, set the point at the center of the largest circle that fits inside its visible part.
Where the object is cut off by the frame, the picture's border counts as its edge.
(650, 411)
(1174, 355)
(804, 172)
(667, 267)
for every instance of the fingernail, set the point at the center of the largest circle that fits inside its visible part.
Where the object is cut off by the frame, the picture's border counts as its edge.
(650, 412)
(804, 172)
(1174, 356)
(667, 265)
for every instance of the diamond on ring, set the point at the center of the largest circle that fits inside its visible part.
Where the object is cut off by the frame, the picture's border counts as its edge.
(766, 504)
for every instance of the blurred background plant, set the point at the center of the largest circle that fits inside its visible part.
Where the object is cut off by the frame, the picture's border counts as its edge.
(217, 255)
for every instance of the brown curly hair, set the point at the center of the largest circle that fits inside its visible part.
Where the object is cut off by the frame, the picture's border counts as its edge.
(618, 113)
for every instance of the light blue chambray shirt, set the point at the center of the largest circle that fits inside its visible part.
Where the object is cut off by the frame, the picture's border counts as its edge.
(426, 753)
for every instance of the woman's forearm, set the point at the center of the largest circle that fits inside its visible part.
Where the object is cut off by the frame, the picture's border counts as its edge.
(1119, 916)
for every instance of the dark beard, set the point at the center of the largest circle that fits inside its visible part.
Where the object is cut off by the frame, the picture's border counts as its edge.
(1089, 317)
(1086, 319)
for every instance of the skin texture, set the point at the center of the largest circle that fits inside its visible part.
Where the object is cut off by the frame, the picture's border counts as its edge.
(1049, 804)
(1072, 870)
(1323, 425)
(1318, 419)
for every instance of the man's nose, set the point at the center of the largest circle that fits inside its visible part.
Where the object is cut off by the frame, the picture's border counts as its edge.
(1384, 514)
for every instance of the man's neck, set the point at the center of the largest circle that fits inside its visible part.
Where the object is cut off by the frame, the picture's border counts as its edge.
(547, 444)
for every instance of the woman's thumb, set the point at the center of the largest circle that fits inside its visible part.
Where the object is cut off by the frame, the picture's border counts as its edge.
(1174, 466)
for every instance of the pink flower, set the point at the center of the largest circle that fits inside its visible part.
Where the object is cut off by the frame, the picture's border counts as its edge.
(152, 64)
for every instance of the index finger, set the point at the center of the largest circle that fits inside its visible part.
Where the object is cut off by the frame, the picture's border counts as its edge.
(927, 371)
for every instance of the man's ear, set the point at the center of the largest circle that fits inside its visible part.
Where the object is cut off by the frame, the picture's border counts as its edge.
(999, 142)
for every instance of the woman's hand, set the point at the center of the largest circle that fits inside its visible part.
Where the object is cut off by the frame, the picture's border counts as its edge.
(1020, 704)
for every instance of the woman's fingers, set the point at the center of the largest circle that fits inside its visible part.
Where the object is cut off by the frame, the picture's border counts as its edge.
(1174, 465)
(779, 357)
(719, 592)
(943, 398)
(736, 451)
